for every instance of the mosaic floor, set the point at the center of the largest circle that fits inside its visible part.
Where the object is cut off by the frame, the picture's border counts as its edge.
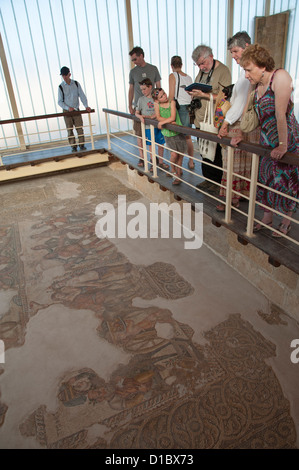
(131, 344)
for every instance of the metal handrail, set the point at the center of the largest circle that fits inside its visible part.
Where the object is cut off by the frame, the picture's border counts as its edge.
(256, 150)
(22, 146)
(289, 158)
(45, 116)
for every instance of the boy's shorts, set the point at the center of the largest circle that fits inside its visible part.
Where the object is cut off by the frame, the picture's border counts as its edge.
(159, 138)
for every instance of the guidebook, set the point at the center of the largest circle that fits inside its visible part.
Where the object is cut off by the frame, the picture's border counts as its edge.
(199, 86)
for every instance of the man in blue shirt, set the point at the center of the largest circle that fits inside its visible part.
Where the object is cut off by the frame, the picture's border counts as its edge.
(69, 92)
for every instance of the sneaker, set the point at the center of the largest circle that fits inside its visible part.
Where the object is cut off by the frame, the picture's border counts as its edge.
(203, 185)
(82, 147)
(212, 188)
(74, 149)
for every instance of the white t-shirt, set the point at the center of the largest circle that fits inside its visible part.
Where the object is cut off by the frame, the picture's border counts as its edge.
(183, 97)
(238, 99)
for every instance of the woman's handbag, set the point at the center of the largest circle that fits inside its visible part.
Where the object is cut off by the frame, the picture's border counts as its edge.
(207, 149)
(222, 105)
(250, 120)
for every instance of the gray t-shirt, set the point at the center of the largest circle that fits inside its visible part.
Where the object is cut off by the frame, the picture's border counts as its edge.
(139, 73)
(146, 107)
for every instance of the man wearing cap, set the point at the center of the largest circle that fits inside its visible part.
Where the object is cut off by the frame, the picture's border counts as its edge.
(69, 92)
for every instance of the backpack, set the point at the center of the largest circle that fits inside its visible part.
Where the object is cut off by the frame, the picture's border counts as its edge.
(60, 86)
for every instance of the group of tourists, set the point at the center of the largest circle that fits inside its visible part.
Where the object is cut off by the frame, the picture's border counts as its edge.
(259, 80)
(271, 91)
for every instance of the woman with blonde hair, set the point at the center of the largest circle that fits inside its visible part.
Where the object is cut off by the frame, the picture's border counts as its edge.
(279, 130)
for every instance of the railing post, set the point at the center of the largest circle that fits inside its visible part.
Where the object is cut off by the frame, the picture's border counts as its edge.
(91, 133)
(252, 194)
(144, 147)
(108, 131)
(229, 184)
(154, 160)
(11, 94)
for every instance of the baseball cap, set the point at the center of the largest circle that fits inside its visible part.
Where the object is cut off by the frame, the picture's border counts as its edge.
(64, 71)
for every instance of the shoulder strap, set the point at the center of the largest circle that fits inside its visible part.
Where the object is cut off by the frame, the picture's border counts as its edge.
(60, 86)
(272, 77)
(177, 91)
(209, 74)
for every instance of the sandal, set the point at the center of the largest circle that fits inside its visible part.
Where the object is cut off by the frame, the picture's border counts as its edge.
(259, 227)
(140, 163)
(176, 181)
(283, 228)
(164, 166)
(221, 207)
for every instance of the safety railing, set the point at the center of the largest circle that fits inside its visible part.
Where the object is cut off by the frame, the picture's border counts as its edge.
(256, 150)
(22, 146)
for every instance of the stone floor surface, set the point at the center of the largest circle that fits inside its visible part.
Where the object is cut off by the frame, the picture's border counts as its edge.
(131, 343)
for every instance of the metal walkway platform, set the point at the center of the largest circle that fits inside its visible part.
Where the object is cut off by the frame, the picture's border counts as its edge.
(280, 251)
(30, 164)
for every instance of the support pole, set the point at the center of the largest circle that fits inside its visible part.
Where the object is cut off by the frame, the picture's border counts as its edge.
(154, 160)
(230, 31)
(144, 148)
(129, 27)
(252, 195)
(108, 131)
(229, 184)
(11, 95)
(91, 133)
